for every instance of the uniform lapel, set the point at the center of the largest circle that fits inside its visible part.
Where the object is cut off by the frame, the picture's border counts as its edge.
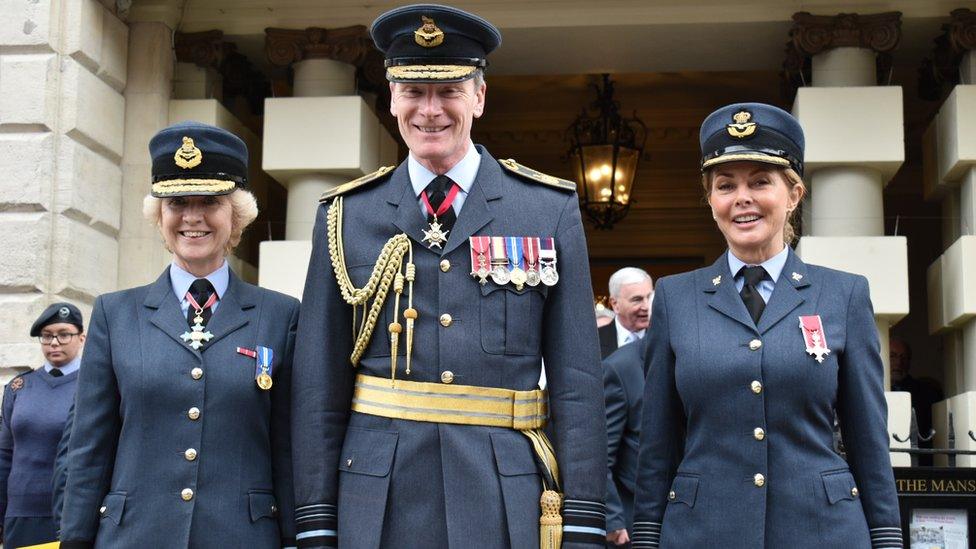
(167, 315)
(476, 213)
(230, 315)
(787, 294)
(718, 282)
(407, 217)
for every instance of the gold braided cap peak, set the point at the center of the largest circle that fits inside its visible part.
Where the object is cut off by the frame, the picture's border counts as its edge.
(356, 183)
(533, 175)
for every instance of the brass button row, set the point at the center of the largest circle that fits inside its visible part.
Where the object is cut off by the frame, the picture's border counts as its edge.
(759, 480)
(447, 376)
(755, 345)
(186, 494)
(759, 433)
(196, 373)
(193, 413)
(446, 320)
(190, 454)
(445, 265)
(756, 386)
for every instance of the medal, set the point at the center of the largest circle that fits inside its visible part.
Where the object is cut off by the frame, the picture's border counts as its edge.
(196, 337)
(262, 369)
(499, 262)
(517, 275)
(547, 257)
(814, 337)
(531, 251)
(480, 257)
(435, 235)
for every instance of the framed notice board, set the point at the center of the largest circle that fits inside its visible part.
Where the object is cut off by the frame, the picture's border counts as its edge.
(938, 506)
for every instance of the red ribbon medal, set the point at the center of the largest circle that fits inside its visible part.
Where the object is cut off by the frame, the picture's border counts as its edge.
(480, 257)
(814, 337)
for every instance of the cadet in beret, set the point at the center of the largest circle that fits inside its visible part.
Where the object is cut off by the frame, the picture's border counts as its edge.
(434, 292)
(181, 425)
(35, 408)
(750, 360)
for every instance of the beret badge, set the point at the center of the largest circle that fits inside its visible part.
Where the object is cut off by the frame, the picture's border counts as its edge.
(428, 35)
(63, 312)
(741, 128)
(188, 156)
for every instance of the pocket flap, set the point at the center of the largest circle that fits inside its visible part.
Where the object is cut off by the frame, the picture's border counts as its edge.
(684, 489)
(490, 287)
(112, 506)
(839, 485)
(513, 454)
(368, 451)
(262, 504)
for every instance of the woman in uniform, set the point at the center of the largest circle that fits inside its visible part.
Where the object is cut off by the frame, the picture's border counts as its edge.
(181, 426)
(750, 361)
(35, 407)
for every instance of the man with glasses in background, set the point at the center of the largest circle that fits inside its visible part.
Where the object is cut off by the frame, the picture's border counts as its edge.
(35, 408)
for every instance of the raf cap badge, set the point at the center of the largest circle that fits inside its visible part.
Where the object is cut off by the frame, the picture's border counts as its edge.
(188, 156)
(428, 35)
(741, 127)
(63, 312)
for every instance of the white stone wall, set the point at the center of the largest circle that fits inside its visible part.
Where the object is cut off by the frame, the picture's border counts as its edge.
(62, 72)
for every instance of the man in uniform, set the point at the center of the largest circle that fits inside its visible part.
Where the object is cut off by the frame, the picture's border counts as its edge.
(433, 295)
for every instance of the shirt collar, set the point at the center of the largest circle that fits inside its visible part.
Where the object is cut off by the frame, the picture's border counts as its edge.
(181, 280)
(68, 368)
(623, 333)
(773, 266)
(463, 173)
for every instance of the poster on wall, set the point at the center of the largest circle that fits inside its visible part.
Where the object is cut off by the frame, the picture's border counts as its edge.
(939, 529)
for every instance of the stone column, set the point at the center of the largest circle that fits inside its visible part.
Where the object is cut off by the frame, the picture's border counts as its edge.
(323, 136)
(197, 73)
(854, 145)
(62, 72)
(950, 175)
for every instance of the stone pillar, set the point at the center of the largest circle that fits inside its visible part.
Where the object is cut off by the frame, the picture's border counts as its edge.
(854, 145)
(323, 136)
(197, 73)
(62, 71)
(951, 176)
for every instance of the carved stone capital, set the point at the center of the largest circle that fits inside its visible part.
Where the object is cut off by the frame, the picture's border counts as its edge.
(348, 44)
(204, 49)
(940, 70)
(813, 34)
(962, 30)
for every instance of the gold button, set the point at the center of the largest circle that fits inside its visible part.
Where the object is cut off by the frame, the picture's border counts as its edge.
(446, 320)
(754, 345)
(190, 454)
(759, 480)
(756, 387)
(103, 508)
(759, 433)
(186, 494)
(447, 376)
(854, 491)
(445, 265)
(196, 373)
(193, 413)
(671, 495)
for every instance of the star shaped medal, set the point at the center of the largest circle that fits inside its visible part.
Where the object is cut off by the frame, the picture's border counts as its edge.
(197, 335)
(435, 236)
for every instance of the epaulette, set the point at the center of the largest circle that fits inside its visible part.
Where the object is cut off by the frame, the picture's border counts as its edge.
(539, 177)
(356, 183)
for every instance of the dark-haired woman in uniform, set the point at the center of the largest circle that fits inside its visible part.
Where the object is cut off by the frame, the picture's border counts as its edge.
(750, 360)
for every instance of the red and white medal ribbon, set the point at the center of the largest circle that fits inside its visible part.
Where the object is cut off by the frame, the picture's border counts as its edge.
(480, 257)
(814, 337)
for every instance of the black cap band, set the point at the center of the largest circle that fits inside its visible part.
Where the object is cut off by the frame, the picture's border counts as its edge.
(212, 166)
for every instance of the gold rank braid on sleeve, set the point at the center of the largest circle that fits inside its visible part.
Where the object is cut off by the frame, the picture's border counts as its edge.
(388, 271)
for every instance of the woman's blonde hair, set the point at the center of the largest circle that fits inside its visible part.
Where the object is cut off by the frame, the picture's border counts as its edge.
(792, 178)
(244, 209)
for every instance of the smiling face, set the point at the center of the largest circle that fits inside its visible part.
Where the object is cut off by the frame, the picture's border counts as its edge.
(435, 119)
(197, 230)
(633, 305)
(751, 202)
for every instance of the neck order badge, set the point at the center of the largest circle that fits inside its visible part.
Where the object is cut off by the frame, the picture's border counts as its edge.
(197, 337)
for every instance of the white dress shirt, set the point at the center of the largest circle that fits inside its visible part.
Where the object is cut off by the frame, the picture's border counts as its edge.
(462, 173)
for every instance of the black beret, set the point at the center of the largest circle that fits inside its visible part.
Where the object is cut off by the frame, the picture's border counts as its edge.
(752, 131)
(432, 43)
(56, 313)
(192, 158)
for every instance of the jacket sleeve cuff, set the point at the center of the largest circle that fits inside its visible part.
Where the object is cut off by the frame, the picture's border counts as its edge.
(584, 522)
(288, 543)
(316, 525)
(646, 535)
(886, 536)
(76, 544)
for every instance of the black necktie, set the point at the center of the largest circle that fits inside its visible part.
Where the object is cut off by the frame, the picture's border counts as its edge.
(750, 291)
(55, 372)
(436, 194)
(201, 290)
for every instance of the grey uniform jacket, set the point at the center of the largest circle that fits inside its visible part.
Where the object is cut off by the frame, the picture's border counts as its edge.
(400, 483)
(623, 390)
(130, 475)
(737, 442)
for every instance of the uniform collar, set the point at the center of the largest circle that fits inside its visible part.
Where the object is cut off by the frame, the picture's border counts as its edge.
(463, 173)
(773, 266)
(68, 368)
(181, 280)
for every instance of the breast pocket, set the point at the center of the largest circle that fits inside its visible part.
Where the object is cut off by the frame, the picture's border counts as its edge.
(511, 319)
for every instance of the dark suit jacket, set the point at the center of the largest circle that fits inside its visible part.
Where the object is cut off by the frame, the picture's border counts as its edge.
(623, 385)
(608, 339)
